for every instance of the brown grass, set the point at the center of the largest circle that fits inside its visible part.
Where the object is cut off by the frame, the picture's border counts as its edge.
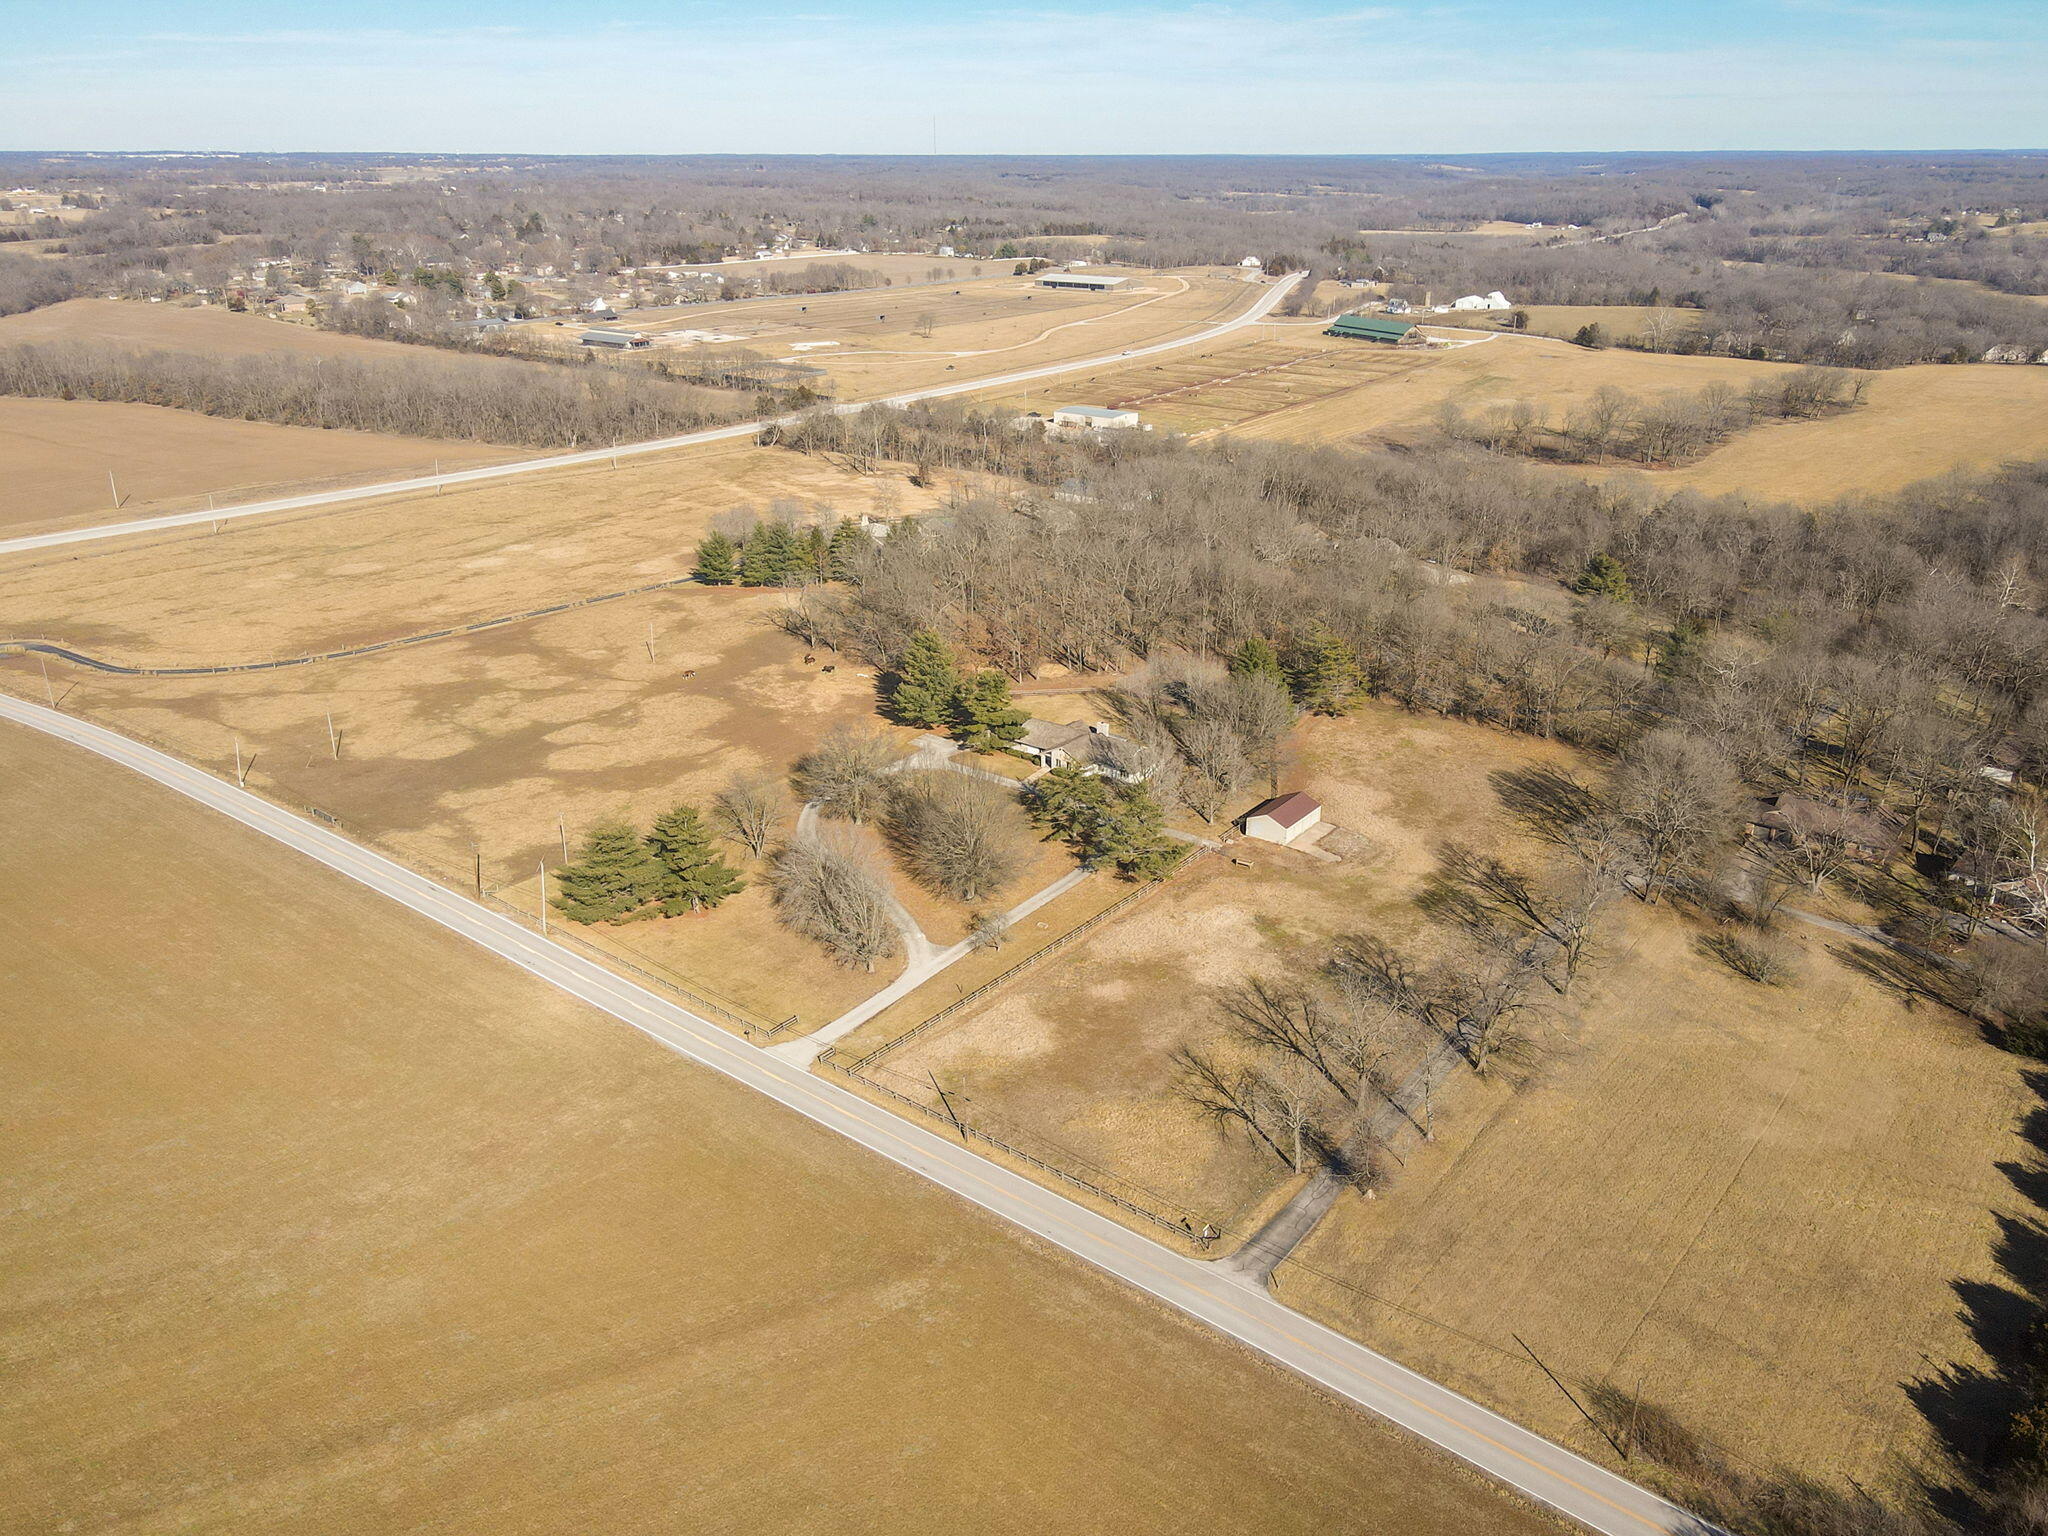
(1073, 1059)
(1752, 1205)
(55, 456)
(202, 328)
(396, 566)
(327, 1221)
(868, 345)
(1917, 422)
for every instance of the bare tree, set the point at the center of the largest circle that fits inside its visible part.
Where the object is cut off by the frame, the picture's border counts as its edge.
(829, 886)
(847, 773)
(958, 836)
(749, 809)
(1230, 1097)
(1675, 793)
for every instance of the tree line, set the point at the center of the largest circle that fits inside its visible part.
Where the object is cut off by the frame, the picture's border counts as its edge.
(461, 399)
(1667, 429)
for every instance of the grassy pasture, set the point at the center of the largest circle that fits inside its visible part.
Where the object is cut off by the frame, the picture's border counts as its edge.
(325, 1220)
(868, 342)
(1917, 422)
(394, 566)
(1752, 1204)
(1206, 390)
(208, 329)
(55, 456)
(1756, 1207)
(1074, 1056)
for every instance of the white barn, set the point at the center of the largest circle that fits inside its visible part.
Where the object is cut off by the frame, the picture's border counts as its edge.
(1093, 282)
(1093, 417)
(1283, 819)
(1493, 300)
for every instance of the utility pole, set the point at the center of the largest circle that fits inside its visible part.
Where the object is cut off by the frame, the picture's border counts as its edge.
(950, 1115)
(241, 778)
(333, 740)
(650, 639)
(477, 852)
(1567, 1391)
(562, 822)
(113, 489)
(543, 898)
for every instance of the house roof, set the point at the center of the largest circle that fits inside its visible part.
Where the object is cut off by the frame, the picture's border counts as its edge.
(1803, 817)
(1051, 736)
(1369, 327)
(1290, 810)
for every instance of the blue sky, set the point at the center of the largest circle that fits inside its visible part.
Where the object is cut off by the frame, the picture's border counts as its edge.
(824, 76)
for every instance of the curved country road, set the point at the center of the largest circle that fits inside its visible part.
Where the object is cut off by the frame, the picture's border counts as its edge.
(1258, 311)
(1569, 1484)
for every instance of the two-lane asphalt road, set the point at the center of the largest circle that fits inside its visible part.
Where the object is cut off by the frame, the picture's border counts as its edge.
(1260, 308)
(1547, 1473)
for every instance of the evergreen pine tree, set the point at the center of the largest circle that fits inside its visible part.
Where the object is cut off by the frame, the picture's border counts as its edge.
(1068, 801)
(1322, 673)
(1131, 837)
(1680, 647)
(1603, 577)
(768, 556)
(984, 717)
(849, 542)
(927, 683)
(717, 561)
(697, 876)
(816, 552)
(613, 880)
(1258, 658)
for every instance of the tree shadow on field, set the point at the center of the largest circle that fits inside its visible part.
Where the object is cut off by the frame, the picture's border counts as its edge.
(1969, 1484)
(1970, 1406)
(1549, 803)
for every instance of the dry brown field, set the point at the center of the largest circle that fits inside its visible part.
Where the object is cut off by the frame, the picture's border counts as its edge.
(1752, 1205)
(1223, 387)
(1757, 1208)
(402, 565)
(324, 1220)
(1072, 1060)
(868, 342)
(1617, 320)
(208, 329)
(55, 456)
(1916, 422)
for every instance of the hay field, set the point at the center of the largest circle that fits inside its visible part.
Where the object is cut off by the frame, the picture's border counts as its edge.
(379, 569)
(488, 741)
(1552, 375)
(1754, 1204)
(404, 1240)
(869, 344)
(1617, 320)
(55, 456)
(1917, 422)
(1228, 385)
(1072, 1059)
(1754, 1207)
(209, 329)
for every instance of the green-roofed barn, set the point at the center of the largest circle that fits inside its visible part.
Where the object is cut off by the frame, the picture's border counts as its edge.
(1383, 328)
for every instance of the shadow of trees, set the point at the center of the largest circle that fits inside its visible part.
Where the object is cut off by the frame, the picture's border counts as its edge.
(1987, 1474)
